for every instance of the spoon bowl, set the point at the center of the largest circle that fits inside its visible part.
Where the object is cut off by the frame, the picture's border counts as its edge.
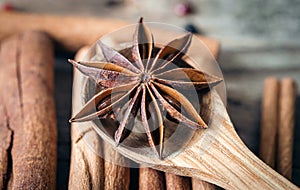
(216, 154)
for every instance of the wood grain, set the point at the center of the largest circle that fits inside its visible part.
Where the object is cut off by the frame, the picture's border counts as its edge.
(70, 32)
(287, 105)
(173, 181)
(26, 78)
(179, 182)
(86, 168)
(151, 179)
(269, 121)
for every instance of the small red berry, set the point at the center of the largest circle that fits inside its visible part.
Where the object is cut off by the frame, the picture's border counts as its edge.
(184, 8)
(7, 7)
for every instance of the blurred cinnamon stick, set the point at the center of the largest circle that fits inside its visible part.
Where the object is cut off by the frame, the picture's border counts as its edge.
(151, 179)
(269, 121)
(70, 32)
(198, 184)
(287, 103)
(87, 168)
(174, 182)
(28, 112)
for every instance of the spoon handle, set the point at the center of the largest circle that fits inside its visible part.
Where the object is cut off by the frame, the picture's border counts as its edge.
(223, 159)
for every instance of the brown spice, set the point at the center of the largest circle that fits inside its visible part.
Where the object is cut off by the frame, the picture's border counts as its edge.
(26, 80)
(174, 182)
(198, 184)
(151, 179)
(269, 121)
(145, 83)
(287, 105)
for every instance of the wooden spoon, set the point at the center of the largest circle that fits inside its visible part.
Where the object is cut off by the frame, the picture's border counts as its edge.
(216, 154)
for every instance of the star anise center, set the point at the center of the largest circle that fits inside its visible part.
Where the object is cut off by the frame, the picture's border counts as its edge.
(145, 77)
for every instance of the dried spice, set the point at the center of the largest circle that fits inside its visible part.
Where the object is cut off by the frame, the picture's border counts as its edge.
(146, 81)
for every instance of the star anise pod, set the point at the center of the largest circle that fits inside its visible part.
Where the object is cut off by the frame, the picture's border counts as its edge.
(149, 81)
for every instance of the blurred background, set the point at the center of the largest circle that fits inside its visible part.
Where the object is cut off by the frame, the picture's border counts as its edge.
(235, 23)
(258, 39)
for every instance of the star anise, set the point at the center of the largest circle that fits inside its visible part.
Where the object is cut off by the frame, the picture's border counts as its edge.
(149, 82)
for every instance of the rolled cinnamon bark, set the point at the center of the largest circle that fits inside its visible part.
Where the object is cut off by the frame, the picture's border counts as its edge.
(87, 168)
(174, 182)
(151, 179)
(117, 176)
(26, 80)
(269, 121)
(198, 184)
(287, 104)
(70, 32)
(5, 147)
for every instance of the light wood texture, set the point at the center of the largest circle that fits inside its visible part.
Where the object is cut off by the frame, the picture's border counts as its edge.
(87, 168)
(269, 121)
(216, 155)
(198, 184)
(26, 80)
(174, 182)
(151, 179)
(70, 32)
(287, 105)
(178, 182)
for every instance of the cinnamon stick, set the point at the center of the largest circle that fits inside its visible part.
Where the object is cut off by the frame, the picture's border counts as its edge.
(86, 168)
(151, 179)
(5, 146)
(174, 182)
(70, 32)
(287, 105)
(198, 184)
(269, 121)
(117, 176)
(26, 80)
